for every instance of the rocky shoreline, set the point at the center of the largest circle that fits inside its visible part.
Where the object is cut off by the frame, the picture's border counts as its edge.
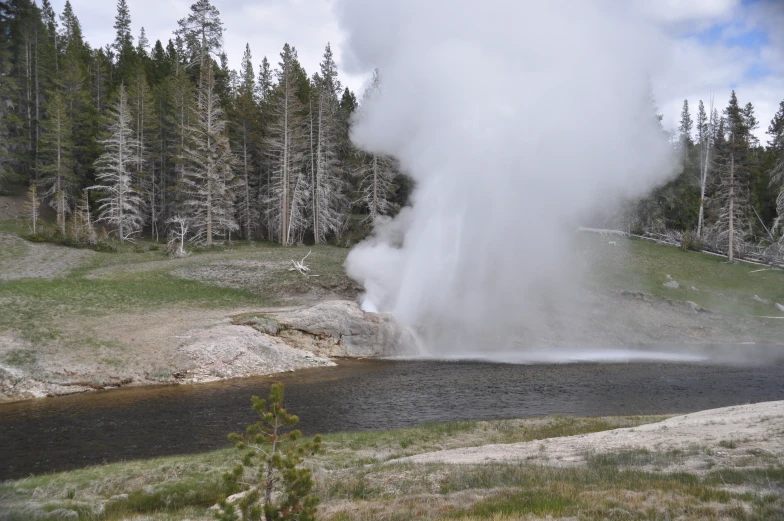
(241, 345)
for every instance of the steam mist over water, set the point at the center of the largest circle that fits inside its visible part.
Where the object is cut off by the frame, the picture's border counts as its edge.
(516, 120)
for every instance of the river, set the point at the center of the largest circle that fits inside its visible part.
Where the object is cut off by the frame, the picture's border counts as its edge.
(53, 434)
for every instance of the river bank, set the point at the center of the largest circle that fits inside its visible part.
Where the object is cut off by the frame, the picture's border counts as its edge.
(719, 464)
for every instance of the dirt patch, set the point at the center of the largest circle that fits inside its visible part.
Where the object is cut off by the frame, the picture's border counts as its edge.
(21, 259)
(746, 436)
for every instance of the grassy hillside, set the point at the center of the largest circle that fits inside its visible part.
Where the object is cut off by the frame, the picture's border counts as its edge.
(708, 280)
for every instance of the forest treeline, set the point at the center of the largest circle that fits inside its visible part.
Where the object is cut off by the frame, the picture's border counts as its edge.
(164, 139)
(141, 138)
(729, 195)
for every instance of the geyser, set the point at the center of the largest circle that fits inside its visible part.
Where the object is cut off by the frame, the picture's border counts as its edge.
(515, 119)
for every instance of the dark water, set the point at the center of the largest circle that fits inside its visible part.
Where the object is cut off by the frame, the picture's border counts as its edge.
(70, 432)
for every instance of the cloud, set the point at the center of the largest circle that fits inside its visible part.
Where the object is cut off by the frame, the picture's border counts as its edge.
(680, 11)
(724, 47)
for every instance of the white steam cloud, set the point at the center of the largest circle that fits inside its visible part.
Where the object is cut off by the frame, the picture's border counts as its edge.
(515, 119)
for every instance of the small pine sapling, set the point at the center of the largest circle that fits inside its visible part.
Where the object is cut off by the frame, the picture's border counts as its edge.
(274, 487)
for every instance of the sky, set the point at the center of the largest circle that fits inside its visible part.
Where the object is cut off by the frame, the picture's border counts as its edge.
(712, 45)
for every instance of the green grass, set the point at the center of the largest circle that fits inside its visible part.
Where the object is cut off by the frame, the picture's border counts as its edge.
(133, 282)
(637, 265)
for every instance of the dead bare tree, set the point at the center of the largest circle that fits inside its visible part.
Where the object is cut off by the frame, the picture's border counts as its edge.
(121, 207)
(301, 267)
(178, 234)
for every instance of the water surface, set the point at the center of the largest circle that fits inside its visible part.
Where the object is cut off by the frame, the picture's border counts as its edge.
(74, 431)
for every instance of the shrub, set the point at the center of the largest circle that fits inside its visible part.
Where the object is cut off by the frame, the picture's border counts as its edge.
(272, 455)
(691, 241)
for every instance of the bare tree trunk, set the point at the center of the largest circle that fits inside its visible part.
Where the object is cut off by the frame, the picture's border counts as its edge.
(731, 252)
(60, 188)
(314, 174)
(247, 183)
(704, 179)
(284, 232)
(37, 108)
(209, 167)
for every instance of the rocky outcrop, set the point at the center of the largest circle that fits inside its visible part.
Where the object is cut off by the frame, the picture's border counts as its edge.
(340, 328)
(231, 351)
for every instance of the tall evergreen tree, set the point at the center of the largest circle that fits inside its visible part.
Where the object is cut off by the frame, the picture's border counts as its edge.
(751, 124)
(209, 203)
(122, 25)
(286, 146)
(123, 42)
(731, 157)
(245, 129)
(56, 163)
(776, 146)
(141, 107)
(685, 127)
(328, 202)
(202, 33)
(71, 32)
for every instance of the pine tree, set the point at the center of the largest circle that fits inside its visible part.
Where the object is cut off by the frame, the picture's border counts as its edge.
(376, 172)
(685, 127)
(328, 202)
(286, 146)
(182, 114)
(121, 207)
(245, 118)
(141, 105)
(143, 45)
(732, 175)
(7, 88)
(202, 32)
(71, 33)
(122, 25)
(276, 487)
(56, 159)
(209, 203)
(123, 43)
(82, 112)
(100, 69)
(776, 146)
(751, 124)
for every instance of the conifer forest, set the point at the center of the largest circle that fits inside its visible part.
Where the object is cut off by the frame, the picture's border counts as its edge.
(153, 139)
(163, 139)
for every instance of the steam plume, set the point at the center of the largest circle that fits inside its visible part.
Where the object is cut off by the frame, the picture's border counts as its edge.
(515, 119)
